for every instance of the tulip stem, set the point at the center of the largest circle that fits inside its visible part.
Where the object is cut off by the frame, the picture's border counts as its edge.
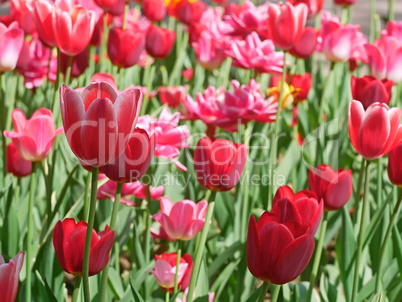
(167, 296)
(273, 154)
(126, 9)
(379, 181)
(86, 197)
(29, 234)
(68, 70)
(385, 242)
(102, 50)
(317, 256)
(264, 289)
(91, 219)
(361, 232)
(357, 192)
(372, 21)
(275, 293)
(112, 227)
(391, 10)
(56, 85)
(76, 291)
(176, 276)
(200, 249)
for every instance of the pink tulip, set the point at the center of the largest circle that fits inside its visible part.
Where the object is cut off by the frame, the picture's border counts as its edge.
(172, 96)
(9, 277)
(169, 137)
(375, 131)
(11, 41)
(15, 163)
(42, 12)
(207, 51)
(385, 58)
(113, 7)
(33, 138)
(393, 29)
(73, 27)
(182, 220)
(286, 23)
(306, 44)
(252, 53)
(137, 189)
(19, 12)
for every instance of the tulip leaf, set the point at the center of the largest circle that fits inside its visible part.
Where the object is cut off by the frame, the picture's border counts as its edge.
(173, 298)
(221, 282)
(136, 295)
(288, 163)
(10, 233)
(115, 283)
(221, 259)
(396, 238)
(43, 282)
(254, 296)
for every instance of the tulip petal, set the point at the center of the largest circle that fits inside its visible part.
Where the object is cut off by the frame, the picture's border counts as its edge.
(19, 120)
(356, 115)
(98, 90)
(253, 248)
(100, 253)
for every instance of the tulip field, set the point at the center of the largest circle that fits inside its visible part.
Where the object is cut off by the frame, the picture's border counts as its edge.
(181, 150)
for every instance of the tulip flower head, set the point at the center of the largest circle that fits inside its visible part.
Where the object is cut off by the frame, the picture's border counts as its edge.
(369, 90)
(33, 138)
(345, 2)
(69, 243)
(42, 13)
(9, 277)
(15, 163)
(395, 166)
(375, 131)
(154, 10)
(11, 41)
(99, 123)
(314, 6)
(218, 165)
(159, 42)
(165, 270)
(182, 220)
(281, 243)
(172, 96)
(334, 187)
(306, 44)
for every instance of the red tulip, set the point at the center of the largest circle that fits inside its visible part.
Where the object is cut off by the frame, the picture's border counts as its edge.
(395, 165)
(189, 12)
(375, 131)
(159, 42)
(314, 6)
(41, 12)
(281, 243)
(334, 187)
(135, 160)
(154, 10)
(73, 28)
(15, 163)
(113, 7)
(99, 123)
(69, 243)
(286, 23)
(305, 45)
(345, 2)
(165, 270)
(369, 90)
(172, 96)
(9, 277)
(188, 74)
(218, 165)
(301, 85)
(125, 46)
(33, 138)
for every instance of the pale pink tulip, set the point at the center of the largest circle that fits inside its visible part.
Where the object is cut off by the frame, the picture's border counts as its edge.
(9, 277)
(33, 138)
(182, 220)
(11, 41)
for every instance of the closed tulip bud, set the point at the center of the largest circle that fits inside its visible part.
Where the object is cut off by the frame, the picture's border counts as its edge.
(9, 277)
(172, 96)
(281, 243)
(369, 90)
(11, 41)
(135, 160)
(154, 10)
(375, 131)
(305, 45)
(219, 164)
(159, 42)
(182, 220)
(165, 271)
(99, 123)
(15, 163)
(125, 46)
(33, 138)
(286, 23)
(395, 166)
(69, 244)
(334, 187)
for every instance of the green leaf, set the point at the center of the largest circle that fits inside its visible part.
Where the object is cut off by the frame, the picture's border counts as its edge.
(173, 298)
(221, 282)
(136, 295)
(115, 283)
(255, 295)
(220, 260)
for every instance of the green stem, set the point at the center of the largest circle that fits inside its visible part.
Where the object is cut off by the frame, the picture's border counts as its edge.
(264, 289)
(245, 214)
(317, 256)
(86, 197)
(391, 10)
(385, 242)
(167, 296)
(112, 227)
(372, 21)
(91, 219)
(176, 276)
(68, 71)
(126, 9)
(361, 232)
(275, 293)
(200, 250)
(3, 124)
(379, 181)
(358, 190)
(29, 235)
(273, 154)
(76, 291)
(102, 50)
(56, 85)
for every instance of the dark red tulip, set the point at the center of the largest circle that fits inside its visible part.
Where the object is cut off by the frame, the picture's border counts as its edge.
(281, 243)
(125, 46)
(16, 164)
(369, 90)
(79, 63)
(218, 165)
(159, 42)
(345, 2)
(189, 12)
(69, 243)
(154, 10)
(172, 96)
(334, 187)
(395, 166)
(135, 161)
